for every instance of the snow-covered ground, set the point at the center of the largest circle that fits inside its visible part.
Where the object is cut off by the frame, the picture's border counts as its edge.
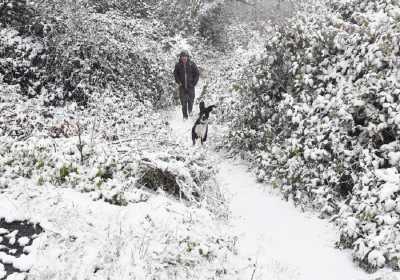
(283, 242)
(275, 240)
(84, 239)
(88, 238)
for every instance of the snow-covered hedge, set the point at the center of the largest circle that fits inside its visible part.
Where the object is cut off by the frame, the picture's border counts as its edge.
(68, 51)
(84, 57)
(15, 13)
(319, 115)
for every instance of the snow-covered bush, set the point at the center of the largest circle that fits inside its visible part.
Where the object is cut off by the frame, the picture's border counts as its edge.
(21, 58)
(136, 8)
(212, 25)
(16, 13)
(130, 164)
(72, 50)
(70, 53)
(319, 115)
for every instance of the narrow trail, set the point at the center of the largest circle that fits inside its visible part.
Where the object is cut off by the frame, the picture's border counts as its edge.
(276, 241)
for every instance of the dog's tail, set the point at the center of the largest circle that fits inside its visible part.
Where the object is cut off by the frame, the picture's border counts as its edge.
(202, 106)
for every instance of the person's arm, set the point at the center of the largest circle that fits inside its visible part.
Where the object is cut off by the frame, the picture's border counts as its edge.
(195, 74)
(176, 74)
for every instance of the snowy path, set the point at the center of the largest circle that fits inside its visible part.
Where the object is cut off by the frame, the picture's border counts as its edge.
(285, 243)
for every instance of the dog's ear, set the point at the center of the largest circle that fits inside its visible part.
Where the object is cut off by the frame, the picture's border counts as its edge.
(209, 108)
(202, 106)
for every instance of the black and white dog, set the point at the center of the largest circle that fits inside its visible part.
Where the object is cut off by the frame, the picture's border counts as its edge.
(200, 127)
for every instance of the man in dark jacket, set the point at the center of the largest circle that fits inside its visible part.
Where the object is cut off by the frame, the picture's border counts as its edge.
(186, 75)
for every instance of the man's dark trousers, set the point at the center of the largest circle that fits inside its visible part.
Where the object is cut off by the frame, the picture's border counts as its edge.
(187, 98)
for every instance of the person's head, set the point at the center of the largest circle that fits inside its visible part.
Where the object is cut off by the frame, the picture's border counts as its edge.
(184, 56)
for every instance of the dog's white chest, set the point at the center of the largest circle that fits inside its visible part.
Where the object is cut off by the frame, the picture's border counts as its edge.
(201, 129)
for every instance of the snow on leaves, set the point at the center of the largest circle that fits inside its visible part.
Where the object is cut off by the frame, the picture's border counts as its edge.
(319, 117)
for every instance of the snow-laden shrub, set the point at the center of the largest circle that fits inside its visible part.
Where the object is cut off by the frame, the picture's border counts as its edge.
(70, 53)
(21, 61)
(16, 13)
(179, 16)
(227, 25)
(318, 114)
(212, 25)
(136, 8)
(182, 178)
(89, 53)
(113, 165)
(156, 176)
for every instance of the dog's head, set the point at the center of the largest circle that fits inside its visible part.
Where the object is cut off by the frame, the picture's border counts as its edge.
(205, 111)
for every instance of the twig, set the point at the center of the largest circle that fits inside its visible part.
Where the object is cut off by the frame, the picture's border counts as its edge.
(92, 135)
(254, 271)
(80, 144)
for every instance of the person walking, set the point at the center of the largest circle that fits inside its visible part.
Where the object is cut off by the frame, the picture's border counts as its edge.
(186, 76)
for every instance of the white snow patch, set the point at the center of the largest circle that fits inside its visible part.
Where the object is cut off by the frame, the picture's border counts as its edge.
(376, 258)
(24, 262)
(352, 228)
(11, 241)
(9, 211)
(394, 158)
(4, 258)
(23, 241)
(358, 102)
(389, 175)
(387, 190)
(16, 276)
(2, 271)
(12, 234)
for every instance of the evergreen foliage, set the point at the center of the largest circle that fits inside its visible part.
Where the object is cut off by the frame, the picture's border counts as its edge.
(320, 117)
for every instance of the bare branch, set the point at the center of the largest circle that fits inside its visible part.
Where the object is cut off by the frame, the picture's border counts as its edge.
(80, 144)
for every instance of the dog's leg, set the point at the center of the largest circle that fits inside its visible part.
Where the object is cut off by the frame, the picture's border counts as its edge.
(193, 136)
(205, 134)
